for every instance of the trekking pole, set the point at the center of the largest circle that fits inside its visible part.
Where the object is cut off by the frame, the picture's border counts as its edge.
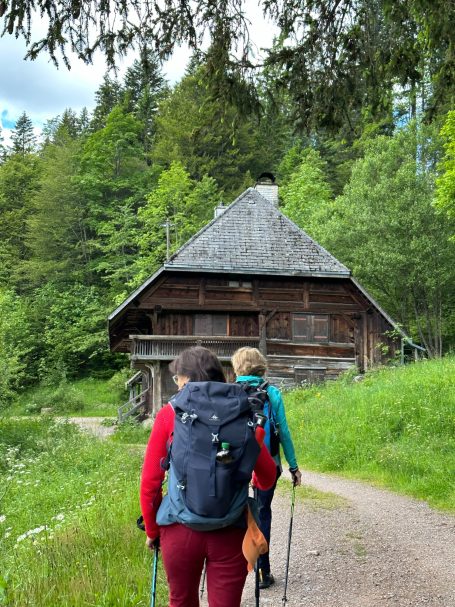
(285, 598)
(201, 593)
(256, 567)
(155, 571)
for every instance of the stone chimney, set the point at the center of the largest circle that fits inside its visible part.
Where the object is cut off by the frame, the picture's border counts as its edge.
(267, 187)
(219, 209)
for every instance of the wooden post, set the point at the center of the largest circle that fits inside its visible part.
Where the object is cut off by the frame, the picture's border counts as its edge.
(262, 334)
(202, 291)
(147, 384)
(156, 387)
(364, 340)
(306, 296)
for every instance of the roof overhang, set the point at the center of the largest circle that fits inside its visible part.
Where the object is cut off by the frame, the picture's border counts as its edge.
(389, 319)
(221, 270)
(256, 271)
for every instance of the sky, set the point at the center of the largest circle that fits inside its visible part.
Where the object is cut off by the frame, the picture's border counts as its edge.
(43, 91)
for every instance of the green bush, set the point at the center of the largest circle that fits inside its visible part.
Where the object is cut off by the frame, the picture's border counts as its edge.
(63, 399)
(131, 432)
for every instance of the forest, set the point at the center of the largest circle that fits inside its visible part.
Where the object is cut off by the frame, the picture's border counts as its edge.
(355, 119)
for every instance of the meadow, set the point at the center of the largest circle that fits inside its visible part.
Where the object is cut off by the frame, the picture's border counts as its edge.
(69, 502)
(395, 428)
(68, 509)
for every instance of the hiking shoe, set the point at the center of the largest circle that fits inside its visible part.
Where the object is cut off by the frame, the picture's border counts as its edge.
(265, 580)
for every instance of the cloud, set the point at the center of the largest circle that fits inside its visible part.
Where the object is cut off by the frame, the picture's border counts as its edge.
(43, 91)
(38, 87)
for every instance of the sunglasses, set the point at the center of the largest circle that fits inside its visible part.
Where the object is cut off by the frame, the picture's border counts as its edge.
(175, 379)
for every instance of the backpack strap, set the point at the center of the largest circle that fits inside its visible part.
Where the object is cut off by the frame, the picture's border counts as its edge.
(215, 445)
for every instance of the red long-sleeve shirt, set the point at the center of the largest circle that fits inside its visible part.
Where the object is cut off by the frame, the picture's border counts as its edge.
(153, 473)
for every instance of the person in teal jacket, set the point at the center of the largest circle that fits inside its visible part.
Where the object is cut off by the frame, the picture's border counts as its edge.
(250, 366)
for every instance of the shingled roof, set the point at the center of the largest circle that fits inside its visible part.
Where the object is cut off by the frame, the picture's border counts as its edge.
(253, 236)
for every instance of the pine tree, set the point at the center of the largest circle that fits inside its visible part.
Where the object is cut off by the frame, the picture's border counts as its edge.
(107, 97)
(23, 136)
(69, 122)
(83, 121)
(144, 73)
(143, 88)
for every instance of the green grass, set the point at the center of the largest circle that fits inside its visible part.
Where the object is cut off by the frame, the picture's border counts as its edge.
(68, 508)
(89, 397)
(396, 429)
(311, 498)
(131, 432)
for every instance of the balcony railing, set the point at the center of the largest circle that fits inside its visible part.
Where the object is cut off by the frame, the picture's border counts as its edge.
(167, 347)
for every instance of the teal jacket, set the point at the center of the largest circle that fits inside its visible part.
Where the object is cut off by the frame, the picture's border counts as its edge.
(279, 415)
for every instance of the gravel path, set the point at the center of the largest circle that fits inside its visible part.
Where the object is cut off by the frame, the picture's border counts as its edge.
(93, 425)
(373, 549)
(379, 549)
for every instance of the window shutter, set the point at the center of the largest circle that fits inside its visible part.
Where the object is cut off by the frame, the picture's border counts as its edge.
(301, 327)
(320, 328)
(311, 328)
(219, 324)
(210, 324)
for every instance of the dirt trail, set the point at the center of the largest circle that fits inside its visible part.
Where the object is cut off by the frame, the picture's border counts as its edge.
(378, 550)
(94, 425)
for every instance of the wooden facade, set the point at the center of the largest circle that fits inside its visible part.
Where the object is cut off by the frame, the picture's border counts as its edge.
(252, 277)
(310, 329)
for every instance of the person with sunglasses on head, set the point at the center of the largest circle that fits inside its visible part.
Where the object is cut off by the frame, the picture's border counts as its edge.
(185, 549)
(250, 366)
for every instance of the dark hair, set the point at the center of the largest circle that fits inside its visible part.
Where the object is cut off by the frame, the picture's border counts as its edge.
(199, 364)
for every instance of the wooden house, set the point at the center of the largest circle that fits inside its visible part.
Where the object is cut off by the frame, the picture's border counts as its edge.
(251, 277)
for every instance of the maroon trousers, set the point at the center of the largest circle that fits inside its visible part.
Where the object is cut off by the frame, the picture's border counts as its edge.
(184, 552)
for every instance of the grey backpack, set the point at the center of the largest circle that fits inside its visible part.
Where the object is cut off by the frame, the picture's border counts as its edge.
(204, 493)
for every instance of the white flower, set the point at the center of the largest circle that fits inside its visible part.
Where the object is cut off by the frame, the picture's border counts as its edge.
(37, 530)
(2, 518)
(59, 517)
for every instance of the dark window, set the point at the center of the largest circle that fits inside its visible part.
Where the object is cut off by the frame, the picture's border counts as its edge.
(310, 328)
(210, 324)
(309, 375)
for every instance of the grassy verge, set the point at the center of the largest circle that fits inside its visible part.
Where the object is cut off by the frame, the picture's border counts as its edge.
(89, 397)
(396, 428)
(312, 498)
(68, 506)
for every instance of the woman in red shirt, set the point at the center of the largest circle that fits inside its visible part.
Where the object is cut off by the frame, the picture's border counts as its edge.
(185, 550)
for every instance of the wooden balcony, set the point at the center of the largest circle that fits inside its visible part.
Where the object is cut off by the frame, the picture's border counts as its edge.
(168, 347)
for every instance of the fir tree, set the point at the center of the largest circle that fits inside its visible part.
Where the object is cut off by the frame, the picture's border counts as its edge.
(23, 137)
(83, 121)
(144, 86)
(70, 123)
(107, 97)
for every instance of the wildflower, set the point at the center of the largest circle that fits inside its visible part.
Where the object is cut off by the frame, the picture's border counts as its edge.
(59, 517)
(2, 518)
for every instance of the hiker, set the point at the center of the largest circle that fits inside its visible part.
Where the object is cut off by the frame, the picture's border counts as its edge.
(185, 549)
(250, 366)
